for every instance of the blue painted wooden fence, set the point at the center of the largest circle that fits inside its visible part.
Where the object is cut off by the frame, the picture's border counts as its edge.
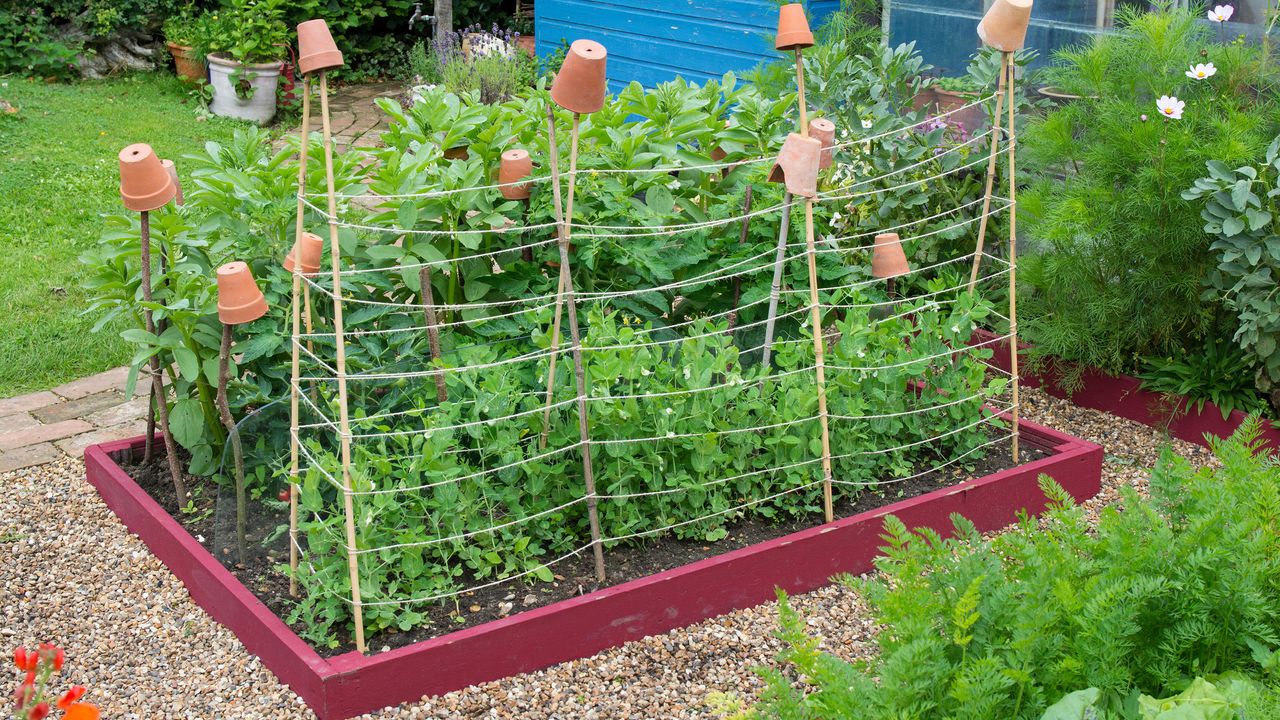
(654, 41)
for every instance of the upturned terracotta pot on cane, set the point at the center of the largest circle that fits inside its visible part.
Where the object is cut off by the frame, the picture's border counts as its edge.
(887, 257)
(793, 28)
(1004, 27)
(309, 247)
(172, 169)
(824, 130)
(144, 183)
(516, 165)
(239, 299)
(316, 49)
(797, 165)
(580, 85)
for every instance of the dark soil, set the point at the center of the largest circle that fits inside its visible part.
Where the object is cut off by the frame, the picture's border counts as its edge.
(212, 523)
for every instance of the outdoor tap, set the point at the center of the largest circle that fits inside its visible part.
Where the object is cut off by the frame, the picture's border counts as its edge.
(417, 15)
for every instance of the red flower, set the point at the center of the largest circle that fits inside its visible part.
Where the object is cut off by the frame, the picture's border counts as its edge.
(82, 711)
(30, 679)
(24, 694)
(25, 660)
(39, 712)
(59, 657)
(75, 693)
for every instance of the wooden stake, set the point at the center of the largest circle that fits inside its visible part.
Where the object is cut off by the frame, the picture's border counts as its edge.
(742, 240)
(157, 378)
(991, 174)
(1013, 251)
(294, 390)
(344, 423)
(433, 332)
(779, 261)
(233, 436)
(565, 297)
(815, 314)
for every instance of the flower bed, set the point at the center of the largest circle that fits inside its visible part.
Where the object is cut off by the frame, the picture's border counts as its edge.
(351, 684)
(1124, 396)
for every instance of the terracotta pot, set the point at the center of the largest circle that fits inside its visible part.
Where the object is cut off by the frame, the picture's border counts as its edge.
(239, 299)
(316, 49)
(185, 63)
(144, 183)
(457, 153)
(177, 184)
(1004, 27)
(580, 85)
(310, 247)
(797, 165)
(887, 257)
(516, 165)
(948, 100)
(824, 130)
(1060, 96)
(793, 28)
(527, 43)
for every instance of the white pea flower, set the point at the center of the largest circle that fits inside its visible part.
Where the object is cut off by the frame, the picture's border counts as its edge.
(669, 411)
(1201, 71)
(643, 371)
(862, 353)
(675, 185)
(867, 123)
(1170, 107)
(671, 434)
(687, 373)
(955, 329)
(844, 132)
(1221, 13)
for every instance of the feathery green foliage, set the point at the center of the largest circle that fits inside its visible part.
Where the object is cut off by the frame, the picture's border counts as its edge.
(1181, 585)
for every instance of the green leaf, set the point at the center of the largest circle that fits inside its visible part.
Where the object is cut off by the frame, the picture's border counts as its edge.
(1232, 226)
(186, 422)
(1073, 706)
(188, 363)
(407, 216)
(1240, 194)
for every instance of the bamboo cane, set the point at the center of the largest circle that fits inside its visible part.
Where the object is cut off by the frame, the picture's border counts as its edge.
(344, 422)
(1013, 252)
(776, 289)
(233, 436)
(157, 379)
(294, 390)
(565, 296)
(742, 240)
(991, 174)
(433, 332)
(560, 230)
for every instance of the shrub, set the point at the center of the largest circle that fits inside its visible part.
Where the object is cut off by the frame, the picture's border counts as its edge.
(1186, 583)
(28, 46)
(1116, 257)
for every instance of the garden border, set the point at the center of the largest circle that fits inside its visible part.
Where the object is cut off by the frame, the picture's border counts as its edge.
(351, 684)
(1124, 396)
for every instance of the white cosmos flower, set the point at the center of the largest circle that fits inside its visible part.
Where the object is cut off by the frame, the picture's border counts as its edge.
(867, 123)
(1221, 13)
(1170, 107)
(1201, 71)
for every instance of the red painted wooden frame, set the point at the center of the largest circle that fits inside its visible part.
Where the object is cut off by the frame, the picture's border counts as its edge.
(352, 684)
(1124, 396)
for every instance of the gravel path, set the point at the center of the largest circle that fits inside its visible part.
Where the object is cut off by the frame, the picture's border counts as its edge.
(72, 574)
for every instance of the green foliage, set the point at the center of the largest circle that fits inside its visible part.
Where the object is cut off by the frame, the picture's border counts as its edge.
(1183, 584)
(1116, 257)
(247, 31)
(1240, 209)
(28, 46)
(1217, 373)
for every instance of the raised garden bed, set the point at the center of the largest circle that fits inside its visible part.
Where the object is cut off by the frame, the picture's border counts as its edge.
(1124, 396)
(351, 684)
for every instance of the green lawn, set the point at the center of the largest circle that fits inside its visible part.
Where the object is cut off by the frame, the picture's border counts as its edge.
(59, 176)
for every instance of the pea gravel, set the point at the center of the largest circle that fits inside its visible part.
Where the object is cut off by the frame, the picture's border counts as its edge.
(73, 575)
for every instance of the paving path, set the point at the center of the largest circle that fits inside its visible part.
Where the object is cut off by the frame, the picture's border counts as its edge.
(353, 116)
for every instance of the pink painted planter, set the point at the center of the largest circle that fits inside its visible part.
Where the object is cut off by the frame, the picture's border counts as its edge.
(1124, 396)
(352, 684)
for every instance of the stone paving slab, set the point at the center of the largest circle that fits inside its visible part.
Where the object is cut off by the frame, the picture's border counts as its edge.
(44, 426)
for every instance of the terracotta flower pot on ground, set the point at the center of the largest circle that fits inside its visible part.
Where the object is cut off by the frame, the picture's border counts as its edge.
(580, 85)
(948, 100)
(310, 247)
(797, 165)
(255, 100)
(316, 49)
(516, 165)
(144, 183)
(185, 63)
(239, 299)
(1004, 27)
(793, 28)
(528, 44)
(887, 257)
(172, 169)
(457, 153)
(825, 131)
